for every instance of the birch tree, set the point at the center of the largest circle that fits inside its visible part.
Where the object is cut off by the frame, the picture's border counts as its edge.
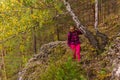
(88, 34)
(96, 15)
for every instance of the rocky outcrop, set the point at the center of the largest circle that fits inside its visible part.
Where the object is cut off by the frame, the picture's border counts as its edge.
(114, 53)
(48, 53)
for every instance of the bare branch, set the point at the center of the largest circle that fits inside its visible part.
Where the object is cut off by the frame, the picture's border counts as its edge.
(1, 42)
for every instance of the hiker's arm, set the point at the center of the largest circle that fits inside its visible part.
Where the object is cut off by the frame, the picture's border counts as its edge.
(79, 31)
(68, 40)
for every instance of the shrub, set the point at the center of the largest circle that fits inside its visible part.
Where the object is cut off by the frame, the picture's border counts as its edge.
(63, 71)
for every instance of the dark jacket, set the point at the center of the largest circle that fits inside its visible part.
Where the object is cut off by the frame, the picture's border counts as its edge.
(73, 37)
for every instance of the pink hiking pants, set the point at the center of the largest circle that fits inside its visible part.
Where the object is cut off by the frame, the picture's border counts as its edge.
(76, 50)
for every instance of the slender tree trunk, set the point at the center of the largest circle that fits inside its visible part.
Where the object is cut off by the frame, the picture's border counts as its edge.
(91, 13)
(1, 64)
(57, 33)
(96, 16)
(34, 36)
(56, 29)
(100, 9)
(103, 11)
(4, 77)
(108, 10)
(34, 40)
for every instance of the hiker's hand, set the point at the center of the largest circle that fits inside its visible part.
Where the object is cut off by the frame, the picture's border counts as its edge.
(77, 28)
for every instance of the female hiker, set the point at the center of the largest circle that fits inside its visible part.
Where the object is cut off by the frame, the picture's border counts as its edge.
(74, 42)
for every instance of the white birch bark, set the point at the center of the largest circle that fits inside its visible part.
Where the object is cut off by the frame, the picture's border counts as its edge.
(75, 18)
(96, 16)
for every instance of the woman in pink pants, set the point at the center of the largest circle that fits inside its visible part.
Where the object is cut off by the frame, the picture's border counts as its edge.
(74, 42)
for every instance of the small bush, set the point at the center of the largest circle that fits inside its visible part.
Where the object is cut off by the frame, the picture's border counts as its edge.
(63, 71)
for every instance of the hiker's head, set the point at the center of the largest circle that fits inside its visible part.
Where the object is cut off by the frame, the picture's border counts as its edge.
(72, 28)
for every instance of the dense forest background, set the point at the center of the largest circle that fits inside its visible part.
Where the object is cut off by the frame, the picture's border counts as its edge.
(25, 25)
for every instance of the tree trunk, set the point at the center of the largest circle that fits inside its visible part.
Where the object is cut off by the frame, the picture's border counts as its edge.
(34, 41)
(96, 16)
(4, 77)
(92, 38)
(34, 36)
(57, 33)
